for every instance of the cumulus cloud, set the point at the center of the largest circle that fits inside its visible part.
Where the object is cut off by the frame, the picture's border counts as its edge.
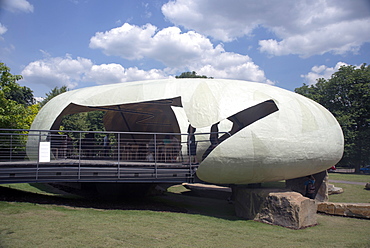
(299, 27)
(14, 6)
(59, 71)
(337, 38)
(177, 51)
(224, 20)
(127, 41)
(17, 6)
(115, 73)
(321, 71)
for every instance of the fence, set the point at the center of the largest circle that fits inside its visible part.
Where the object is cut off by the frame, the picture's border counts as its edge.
(96, 156)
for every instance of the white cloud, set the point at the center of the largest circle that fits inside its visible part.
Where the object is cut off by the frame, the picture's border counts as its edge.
(337, 38)
(177, 51)
(223, 20)
(301, 27)
(127, 41)
(3, 29)
(74, 73)
(115, 73)
(17, 6)
(107, 73)
(58, 71)
(321, 71)
(147, 13)
(39, 99)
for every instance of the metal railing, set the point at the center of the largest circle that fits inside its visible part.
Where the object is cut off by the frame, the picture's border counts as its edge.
(96, 156)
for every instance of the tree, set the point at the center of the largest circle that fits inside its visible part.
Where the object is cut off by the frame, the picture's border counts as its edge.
(17, 108)
(53, 93)
(17, 111)
(12, 90)
(192, 74)
(92, 121)
(347, 96)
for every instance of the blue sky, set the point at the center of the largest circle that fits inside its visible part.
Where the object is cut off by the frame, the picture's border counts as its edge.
(81, 43)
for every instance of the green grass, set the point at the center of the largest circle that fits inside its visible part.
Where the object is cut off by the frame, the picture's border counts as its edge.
(42, 225)
(38, 188)
(352, 193)
(34, 188)
(193, 222)
(350, 177)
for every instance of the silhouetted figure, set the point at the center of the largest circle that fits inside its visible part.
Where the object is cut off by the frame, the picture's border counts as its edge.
(106, 145)
(310, 187)
(213, 138)
(192, 146)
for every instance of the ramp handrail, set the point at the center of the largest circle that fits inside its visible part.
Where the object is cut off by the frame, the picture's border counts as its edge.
(117, 152)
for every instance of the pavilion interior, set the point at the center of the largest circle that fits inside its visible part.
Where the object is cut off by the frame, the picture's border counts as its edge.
(158, 117)
(152, 116)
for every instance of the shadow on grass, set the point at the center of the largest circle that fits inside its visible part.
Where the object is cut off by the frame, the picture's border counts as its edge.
(147, 203)
(219, 207)
(185, 202)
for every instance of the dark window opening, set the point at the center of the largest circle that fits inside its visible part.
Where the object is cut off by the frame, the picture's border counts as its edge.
(244, 118)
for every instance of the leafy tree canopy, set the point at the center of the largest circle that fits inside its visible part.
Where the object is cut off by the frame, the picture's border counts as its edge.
(192, 74)
(347, 96)
(53, 93)
(86, 121)
(17, 108)
(12, 90)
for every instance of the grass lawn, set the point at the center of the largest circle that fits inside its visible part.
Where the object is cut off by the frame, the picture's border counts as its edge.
(353, 193)
(350, 177)
(176, 219)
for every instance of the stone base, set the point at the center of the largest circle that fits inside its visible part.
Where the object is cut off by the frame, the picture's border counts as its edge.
(358, 210)
(275, 206)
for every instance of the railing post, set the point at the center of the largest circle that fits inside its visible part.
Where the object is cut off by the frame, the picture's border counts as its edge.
(38, 157)
(155, 155)
(79, 157)
(119, 154)
(11, 147)
(189, 155)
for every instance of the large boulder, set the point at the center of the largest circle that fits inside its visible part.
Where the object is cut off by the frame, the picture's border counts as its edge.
(275, 206)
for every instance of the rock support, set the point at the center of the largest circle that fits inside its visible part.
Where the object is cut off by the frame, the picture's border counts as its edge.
(275, 206)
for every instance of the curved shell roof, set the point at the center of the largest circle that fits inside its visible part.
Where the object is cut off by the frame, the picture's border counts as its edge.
(298, 138)
(201, 98)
